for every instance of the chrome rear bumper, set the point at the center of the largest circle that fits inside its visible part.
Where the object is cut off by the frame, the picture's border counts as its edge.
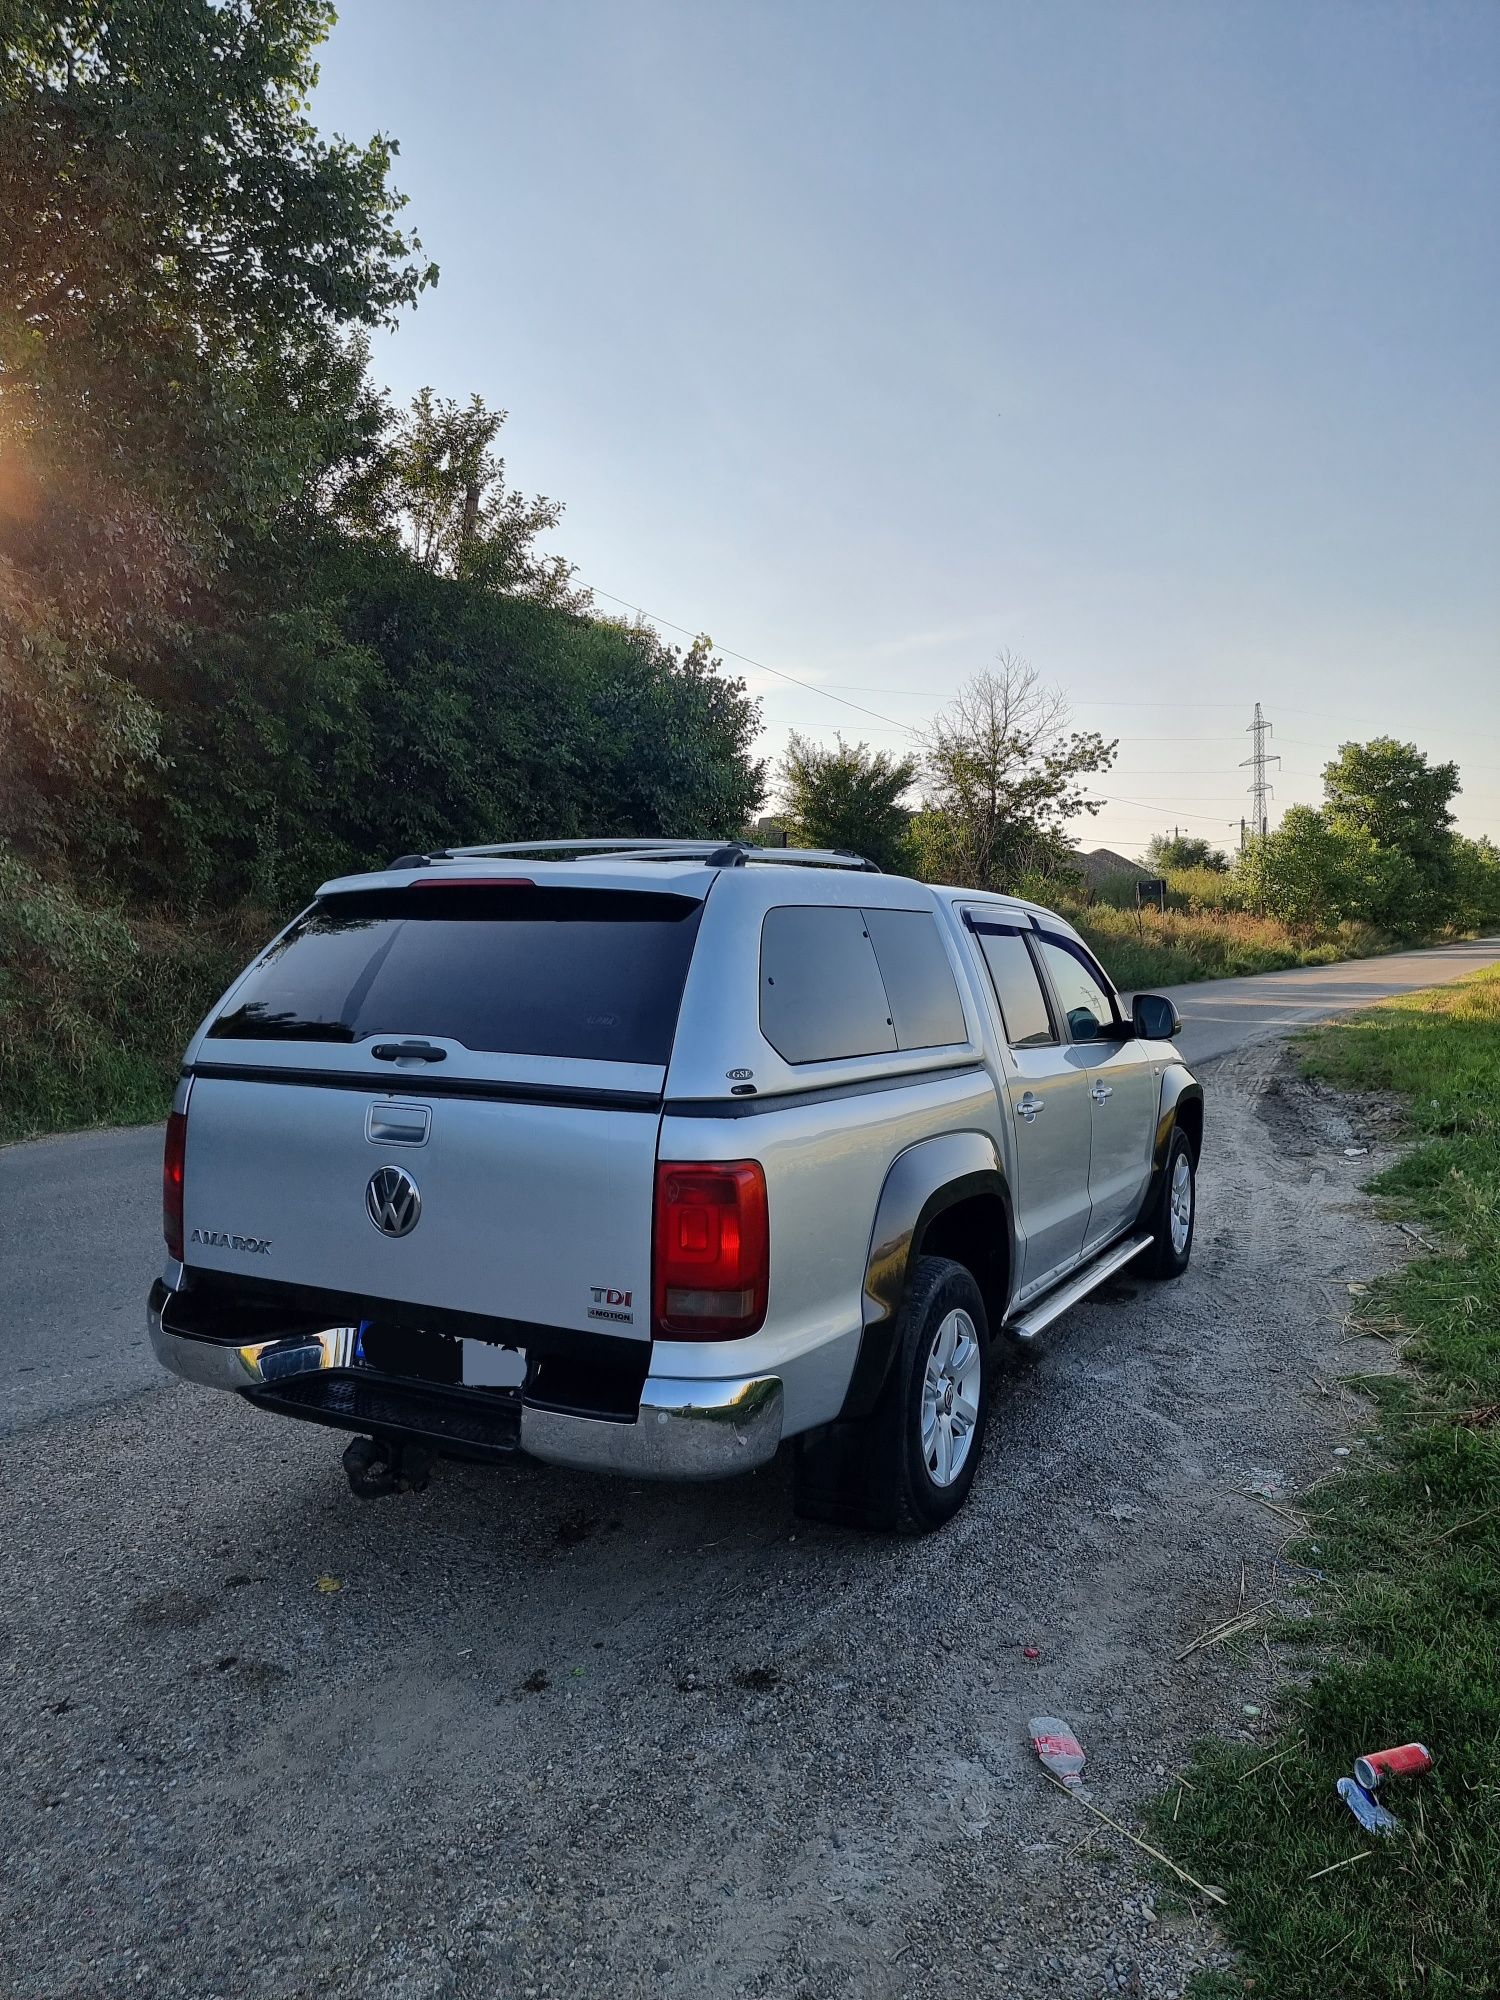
(683, 1429)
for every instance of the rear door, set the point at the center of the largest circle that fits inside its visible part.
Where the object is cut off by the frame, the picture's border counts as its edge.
(446, 1095)
(1047, 1098)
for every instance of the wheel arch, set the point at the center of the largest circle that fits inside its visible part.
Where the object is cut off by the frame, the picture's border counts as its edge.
(946, 1196)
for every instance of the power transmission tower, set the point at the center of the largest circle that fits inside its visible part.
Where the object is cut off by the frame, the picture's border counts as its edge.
(1259, 789)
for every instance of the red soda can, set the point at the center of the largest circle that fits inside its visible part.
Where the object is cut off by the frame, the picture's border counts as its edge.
(1407, 1760)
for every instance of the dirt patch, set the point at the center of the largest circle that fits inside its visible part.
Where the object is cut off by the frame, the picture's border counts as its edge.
(879, 1829)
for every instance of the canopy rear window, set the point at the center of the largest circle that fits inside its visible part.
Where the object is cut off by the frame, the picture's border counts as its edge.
(512, 968)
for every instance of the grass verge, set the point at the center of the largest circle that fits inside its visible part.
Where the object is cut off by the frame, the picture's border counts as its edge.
(1409, 1619)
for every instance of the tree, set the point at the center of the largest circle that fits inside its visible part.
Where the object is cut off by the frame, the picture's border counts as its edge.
(1183, 850)
(1313, 874)
(1475, 884)
(179, 248)
(1297, 873)
(449, 501)
(848, 797)
(388, 710)
(1390, 791)
(224, 559)
(1002, 776)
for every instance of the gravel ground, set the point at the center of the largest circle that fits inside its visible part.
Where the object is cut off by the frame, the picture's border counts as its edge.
(552, 1735)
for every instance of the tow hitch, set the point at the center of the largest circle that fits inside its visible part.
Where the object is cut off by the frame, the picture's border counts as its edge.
(377, 1466)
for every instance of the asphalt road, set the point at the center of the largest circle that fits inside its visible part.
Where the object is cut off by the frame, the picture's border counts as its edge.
(80, 1216)
(80, 1242)
(1220, 1015)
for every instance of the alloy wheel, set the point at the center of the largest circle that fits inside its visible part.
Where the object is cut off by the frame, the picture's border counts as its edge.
(950, 1397)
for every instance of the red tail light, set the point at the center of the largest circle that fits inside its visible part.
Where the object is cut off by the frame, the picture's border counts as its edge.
(171, 1183)
(713, 1250)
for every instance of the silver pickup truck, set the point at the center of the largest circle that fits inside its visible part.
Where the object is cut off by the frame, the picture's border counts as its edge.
(650, 1156)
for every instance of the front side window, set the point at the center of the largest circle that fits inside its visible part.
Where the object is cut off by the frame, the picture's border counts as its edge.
(1088, 1008)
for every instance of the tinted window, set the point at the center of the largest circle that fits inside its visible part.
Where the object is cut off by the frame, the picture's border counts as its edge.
(925, 1008)
(517, 970)
(1086, 1004)
(1022, 1004)
(821, 994)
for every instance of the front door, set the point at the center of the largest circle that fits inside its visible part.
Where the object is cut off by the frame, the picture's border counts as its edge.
(1047, 1101)
(1122, 1087)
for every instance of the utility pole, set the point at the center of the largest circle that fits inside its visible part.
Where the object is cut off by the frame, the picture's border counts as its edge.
(1260, 791)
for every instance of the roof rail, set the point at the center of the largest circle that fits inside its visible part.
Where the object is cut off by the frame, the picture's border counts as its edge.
(713, 853)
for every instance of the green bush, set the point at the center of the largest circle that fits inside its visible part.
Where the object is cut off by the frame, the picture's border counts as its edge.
(95, 1007)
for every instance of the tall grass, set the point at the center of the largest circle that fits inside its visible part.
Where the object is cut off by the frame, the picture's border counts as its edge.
(1149, 947)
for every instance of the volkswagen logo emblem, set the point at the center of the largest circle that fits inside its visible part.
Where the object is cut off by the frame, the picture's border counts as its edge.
(392, 1201)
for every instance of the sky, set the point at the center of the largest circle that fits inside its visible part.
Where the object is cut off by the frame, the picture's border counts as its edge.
(1158, 344)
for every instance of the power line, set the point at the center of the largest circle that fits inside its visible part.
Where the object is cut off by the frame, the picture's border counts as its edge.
(760, 665)
(906, 729)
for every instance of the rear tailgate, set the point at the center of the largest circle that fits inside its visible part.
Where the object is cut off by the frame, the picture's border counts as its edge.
(504, 1166)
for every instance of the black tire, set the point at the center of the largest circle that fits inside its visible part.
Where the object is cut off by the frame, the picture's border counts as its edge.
(875, 1474)
(1168, 1256)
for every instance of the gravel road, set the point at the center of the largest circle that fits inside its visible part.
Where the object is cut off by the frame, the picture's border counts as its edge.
(531, 1734)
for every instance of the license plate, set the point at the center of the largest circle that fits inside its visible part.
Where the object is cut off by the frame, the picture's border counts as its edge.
(490, 1367)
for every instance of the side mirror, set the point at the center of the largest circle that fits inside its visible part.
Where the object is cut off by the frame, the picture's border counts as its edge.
(1155, 1018)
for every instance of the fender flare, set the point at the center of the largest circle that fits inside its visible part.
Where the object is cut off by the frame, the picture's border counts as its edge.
(1179, 1089)
(929, 1177)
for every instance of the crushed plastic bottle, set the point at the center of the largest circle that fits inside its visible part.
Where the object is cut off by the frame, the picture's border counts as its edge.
(1368, 1810)
(1060, 1752)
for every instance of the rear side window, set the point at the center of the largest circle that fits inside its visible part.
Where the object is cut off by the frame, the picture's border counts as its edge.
(925, 1008)
(821, 994)
(513, 969)
(1028, 1024)
(855, 983)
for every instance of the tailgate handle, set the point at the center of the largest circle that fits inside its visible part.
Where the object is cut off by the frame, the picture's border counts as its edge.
(398, 1124)
(408, 1052)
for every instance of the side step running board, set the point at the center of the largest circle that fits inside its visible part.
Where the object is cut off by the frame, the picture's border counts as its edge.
(1027, 1325)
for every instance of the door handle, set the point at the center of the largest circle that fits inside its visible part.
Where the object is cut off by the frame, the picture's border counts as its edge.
(1100, 1091)
(1028, 1106)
